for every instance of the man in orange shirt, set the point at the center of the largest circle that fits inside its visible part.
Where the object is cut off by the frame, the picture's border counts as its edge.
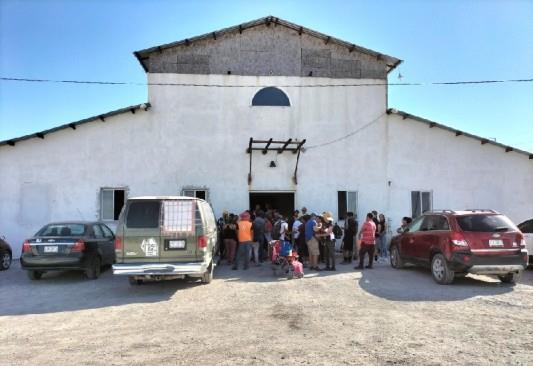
(245, 234)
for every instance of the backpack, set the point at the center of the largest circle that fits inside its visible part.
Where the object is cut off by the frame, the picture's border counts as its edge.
(337, 231)
(276, 230)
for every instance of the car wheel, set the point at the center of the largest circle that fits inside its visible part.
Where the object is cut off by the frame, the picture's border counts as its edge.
(35, 275)
(5, 261)
(94, 267)
(134, 282)
(440, 270)
(396, 260)
(208, 275)
(510, 277)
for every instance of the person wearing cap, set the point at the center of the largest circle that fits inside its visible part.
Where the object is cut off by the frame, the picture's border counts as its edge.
(311, 227)
(329, 241)
(245, 234)
(367, 235)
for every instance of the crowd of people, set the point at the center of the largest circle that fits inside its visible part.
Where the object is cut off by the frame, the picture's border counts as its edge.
(244, 238)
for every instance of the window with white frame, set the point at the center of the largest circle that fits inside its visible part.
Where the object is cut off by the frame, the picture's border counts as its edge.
(421, 201)
(111, 202)
(202, 193)
(347, 202)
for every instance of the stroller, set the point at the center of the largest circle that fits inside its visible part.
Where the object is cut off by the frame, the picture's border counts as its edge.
(285, 260)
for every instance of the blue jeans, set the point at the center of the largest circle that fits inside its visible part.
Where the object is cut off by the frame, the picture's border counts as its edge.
(243, 251)
(383, 247)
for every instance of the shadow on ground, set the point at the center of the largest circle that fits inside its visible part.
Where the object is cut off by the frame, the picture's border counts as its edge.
(417, 284)
(70, 291)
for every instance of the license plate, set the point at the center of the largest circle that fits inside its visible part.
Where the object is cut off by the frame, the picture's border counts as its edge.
(176, 244)
(495, 243)
(50, 249)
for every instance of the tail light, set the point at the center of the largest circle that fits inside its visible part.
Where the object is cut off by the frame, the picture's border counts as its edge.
(520, 241)
(26, 247)
(119, 245)
(458, 239)
(78, 246)
(202, 242)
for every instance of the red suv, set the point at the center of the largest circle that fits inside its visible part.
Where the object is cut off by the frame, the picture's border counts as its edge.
(454, 243)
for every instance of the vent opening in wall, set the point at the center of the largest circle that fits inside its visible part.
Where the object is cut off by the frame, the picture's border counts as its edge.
(271, 96)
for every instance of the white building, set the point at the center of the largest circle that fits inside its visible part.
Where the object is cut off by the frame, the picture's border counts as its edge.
(191, 137)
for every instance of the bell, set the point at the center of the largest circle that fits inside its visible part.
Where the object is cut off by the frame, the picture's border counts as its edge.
(272, 164)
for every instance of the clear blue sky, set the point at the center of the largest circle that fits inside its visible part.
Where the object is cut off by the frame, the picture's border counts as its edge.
(438, 41)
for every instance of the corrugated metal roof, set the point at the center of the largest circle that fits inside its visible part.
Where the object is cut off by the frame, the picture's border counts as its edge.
(457, 132)
(392, 62)
(73, 125)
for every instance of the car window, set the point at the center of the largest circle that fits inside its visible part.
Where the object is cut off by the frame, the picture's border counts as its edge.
(62, 230)
(416, 224)
(526, 227)
(143, 214)
(98, 234)
(435, 222)
(107, 231)
(485, 223)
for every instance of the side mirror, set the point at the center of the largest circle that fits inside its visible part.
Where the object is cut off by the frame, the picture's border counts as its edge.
(406, 230)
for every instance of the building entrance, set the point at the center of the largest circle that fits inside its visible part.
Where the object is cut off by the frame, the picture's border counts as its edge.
(281, 201)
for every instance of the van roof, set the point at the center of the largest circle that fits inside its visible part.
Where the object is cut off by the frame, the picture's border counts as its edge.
(164, 198)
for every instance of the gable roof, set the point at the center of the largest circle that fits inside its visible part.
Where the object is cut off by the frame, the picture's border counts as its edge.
(73, 125)
(458, 133)
(142, 55)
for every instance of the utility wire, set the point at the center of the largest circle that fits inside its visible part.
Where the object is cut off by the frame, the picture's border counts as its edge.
(255, 86)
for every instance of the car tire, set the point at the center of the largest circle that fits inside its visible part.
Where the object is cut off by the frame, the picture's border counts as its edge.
(94, 268)
(396, 260)
(442, 274)
(134, 282)
(512, 278)
(34, 275)
(5, 260)
(208, 275)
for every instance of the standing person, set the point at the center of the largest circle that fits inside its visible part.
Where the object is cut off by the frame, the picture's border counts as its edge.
(406, 221)
(229, 237)
(350, 230)
(303, 211)
(268, 227)
(281, 229)
(245, 235)
(294, 227)
(367, 235)
(329, 241)
(312, 242)
(383, 237)
(259, 237)
(300, 241)
(376, 222)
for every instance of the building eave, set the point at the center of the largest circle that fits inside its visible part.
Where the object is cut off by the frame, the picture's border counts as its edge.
(482, 140)
(72, 125)
(142, 55)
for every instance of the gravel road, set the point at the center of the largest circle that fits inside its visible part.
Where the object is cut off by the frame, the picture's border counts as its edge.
(375, 317)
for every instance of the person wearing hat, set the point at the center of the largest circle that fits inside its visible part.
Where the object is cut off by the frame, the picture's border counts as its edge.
(311, 227)
(329, 241)
(245, 234)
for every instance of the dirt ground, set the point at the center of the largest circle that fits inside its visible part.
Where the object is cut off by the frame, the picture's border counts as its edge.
(375, 317)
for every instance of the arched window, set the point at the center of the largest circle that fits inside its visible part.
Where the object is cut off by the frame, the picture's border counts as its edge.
(271, 96)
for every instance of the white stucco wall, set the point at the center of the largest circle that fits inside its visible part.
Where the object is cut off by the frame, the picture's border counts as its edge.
(197, 136)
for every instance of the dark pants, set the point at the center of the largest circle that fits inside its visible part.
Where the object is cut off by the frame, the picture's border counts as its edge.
(243, 251)
(366, 248)
(330, 253)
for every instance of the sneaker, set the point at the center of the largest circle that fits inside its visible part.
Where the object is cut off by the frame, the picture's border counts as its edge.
(234, 268)
(369, 267)
(358, 267)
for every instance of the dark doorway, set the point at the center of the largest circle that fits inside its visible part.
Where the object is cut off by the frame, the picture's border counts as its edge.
(283, 202)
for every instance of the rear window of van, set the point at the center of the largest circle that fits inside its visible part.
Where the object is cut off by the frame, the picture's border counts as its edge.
(143, 214)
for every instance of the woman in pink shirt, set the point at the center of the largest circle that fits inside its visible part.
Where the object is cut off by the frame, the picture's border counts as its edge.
(367, 235)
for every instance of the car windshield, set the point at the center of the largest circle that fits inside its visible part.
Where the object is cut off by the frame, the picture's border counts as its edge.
(485, 223)
(62, 230)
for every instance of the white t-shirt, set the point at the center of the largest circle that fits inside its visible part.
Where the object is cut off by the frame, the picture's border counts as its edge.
(283, 230)
(295, 226)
